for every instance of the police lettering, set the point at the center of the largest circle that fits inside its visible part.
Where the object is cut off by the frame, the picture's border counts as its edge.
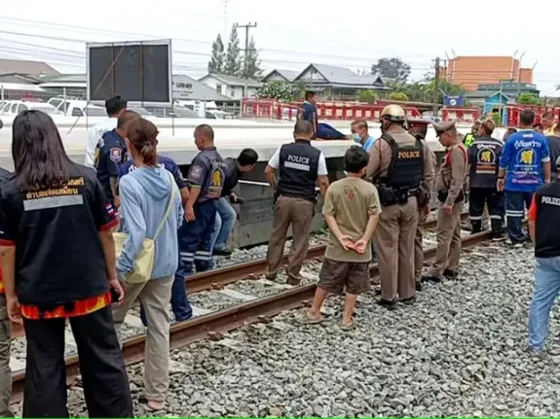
(552, 200)
(409, 154)
(298, 159)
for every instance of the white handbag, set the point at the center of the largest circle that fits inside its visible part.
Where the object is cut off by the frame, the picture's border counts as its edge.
(144, 262)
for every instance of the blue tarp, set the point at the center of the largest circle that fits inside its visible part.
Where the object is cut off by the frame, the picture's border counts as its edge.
(326, 132)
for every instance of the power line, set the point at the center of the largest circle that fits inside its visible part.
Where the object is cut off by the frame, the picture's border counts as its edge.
(247, 27)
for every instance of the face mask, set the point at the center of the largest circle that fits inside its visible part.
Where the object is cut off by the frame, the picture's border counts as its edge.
(357, 138)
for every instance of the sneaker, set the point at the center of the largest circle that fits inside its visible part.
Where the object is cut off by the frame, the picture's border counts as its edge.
(517, 245)
(222, 252)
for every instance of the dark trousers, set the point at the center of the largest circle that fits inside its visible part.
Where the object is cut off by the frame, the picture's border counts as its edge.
(479, 197)
(516, 202)
(104, 375)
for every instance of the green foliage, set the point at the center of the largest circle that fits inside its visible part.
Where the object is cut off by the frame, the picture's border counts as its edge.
(232, 65)
(216, 63)
(392, 68)
(398, 96)
(528, 99)
(276, 90)
(253, 63)
(497, 118)
(368, 96)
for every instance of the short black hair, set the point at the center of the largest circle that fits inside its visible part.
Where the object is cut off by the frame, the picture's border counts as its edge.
(248, 157)
(309, 94)
(114, 105)
(126, 117)
(360, 123)
(355, 159)
(206, 131)
(303, 128)
(547, 114)
(527, 117)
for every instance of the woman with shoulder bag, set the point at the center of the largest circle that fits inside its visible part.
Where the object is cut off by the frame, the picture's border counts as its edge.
(152, 213)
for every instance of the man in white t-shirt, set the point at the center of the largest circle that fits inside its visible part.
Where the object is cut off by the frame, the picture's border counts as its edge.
(293, 172)
(114, 106)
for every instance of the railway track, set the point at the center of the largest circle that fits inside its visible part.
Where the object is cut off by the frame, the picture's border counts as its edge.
(212, 323)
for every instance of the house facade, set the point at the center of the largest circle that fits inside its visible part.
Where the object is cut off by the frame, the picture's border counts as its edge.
(282, 76)
(232, 87)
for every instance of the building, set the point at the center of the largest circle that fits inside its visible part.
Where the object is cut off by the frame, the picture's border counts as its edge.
(470, 71)
(230, 86)
(337, 83)
(509, 88)
(35, 69)
(283, 76)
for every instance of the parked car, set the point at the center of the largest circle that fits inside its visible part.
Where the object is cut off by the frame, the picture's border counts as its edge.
(14, 107)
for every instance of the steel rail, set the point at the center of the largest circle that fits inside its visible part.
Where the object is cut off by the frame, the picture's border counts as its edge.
(221, 321)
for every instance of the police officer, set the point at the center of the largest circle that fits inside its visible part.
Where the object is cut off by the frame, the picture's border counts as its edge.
(484, 156)
(450, 182)
(206, 181)
(397, 167)
(110, 154)
(418, 128)
(471, 136)
(292, 172)
(309, 111)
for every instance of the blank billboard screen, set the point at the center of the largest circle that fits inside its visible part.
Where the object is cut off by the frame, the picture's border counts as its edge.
(139, 71)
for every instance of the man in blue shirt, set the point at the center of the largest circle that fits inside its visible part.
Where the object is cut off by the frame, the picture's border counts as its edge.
(360, 134)
(524, 166)
(309, 112)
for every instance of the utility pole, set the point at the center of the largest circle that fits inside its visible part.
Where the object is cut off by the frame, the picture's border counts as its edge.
(246, 54)
(436, 89)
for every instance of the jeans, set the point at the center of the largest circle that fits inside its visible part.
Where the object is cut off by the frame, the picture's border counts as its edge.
(223, 227)
(516, 202)
(547, 287)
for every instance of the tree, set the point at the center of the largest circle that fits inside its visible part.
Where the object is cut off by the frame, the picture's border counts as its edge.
(528, 99)
(253, 63)
(392, 68)
(398, 96)
(232, 66)
(216, 63)
(368, 96)
(276, 90)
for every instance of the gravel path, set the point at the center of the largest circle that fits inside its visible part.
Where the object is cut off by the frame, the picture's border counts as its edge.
(459, 351)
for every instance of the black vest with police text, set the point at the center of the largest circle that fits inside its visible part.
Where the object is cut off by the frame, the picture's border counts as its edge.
(405, 169)
(547, 240)
(299, 164)
(484, 158)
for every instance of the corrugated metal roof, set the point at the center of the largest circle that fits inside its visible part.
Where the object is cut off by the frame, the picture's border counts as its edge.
(233, 81)
(288, 75)
(342, 76)
(32, 68)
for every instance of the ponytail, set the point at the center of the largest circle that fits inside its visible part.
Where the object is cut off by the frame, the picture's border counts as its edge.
(142, 135)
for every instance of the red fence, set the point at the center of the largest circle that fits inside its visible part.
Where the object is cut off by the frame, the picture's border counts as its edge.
(348, 111)
(467, 115)
(514, 111)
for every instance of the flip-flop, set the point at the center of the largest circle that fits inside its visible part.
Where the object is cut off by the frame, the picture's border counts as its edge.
(350, 326)
(309, 320)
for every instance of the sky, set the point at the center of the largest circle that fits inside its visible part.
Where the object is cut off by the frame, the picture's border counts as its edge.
(290, 33)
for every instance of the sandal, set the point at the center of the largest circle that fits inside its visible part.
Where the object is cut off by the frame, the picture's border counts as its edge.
(156, 405)
(309, 320)
(352, 325)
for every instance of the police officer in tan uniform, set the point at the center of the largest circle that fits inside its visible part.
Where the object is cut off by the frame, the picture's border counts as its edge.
(397, 168)
(450, 182)
(418, 128)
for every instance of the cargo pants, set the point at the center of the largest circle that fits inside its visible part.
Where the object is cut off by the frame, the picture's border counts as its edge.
(5, 373)
(448, 250)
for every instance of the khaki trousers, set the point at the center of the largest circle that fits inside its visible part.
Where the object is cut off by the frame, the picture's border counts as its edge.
(154, 296)
(298, 213)
(394, 242)
(5, 373)
(448, 241)
(419, 246)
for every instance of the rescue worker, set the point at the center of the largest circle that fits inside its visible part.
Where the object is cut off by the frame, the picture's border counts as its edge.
(450, 182)
(206, 181)
(484, 156)
(524, 166)
(548, 123)
(418, 128)
(360, 134)
(5, 343)
(400, 167)
(471, 136)
(292, 172)
(110, 154)
(309, 111)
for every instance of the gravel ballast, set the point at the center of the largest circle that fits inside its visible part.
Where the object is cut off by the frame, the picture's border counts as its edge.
(459, 351)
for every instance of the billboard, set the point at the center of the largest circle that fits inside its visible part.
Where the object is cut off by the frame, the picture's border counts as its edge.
(139, 71)
(454, 101)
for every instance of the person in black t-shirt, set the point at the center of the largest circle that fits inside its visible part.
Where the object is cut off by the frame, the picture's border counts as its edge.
(544, 214)
(57, 257)
(554, 146)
